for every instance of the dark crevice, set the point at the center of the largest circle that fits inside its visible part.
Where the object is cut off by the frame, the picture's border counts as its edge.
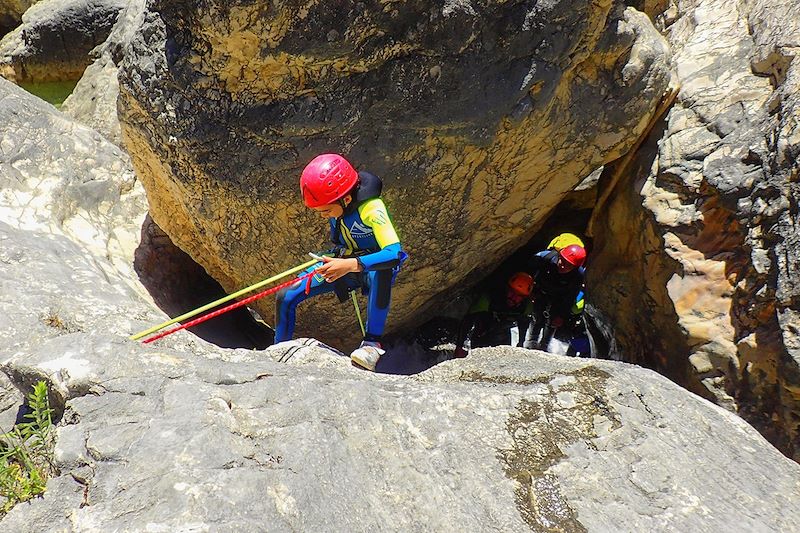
(178, 285)
(8, 23)
(570, 216)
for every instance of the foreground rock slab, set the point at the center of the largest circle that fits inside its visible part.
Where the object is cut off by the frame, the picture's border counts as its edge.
(508, 440)
(183, 435)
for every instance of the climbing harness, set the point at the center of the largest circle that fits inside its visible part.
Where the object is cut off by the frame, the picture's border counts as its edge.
(352, 292)
(227, 299)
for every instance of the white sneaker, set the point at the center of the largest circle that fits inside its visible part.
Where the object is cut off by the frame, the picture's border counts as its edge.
(367, 355)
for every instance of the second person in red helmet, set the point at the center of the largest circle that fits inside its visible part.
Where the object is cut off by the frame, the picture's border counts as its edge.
(367, 253)
(558, 276)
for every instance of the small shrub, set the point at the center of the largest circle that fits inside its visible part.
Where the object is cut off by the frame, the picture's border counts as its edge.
(26, 453)
(54, 321)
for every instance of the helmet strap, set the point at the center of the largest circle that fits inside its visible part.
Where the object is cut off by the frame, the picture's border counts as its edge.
(344, 204)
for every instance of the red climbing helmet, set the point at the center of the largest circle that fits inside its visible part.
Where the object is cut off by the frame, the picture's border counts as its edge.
(521, 283)
(573, 254)
(327, 178)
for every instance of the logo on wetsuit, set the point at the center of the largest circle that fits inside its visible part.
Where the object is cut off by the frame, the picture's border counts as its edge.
(359, 230)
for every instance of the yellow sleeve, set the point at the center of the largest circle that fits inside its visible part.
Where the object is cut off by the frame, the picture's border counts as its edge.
(373, 213)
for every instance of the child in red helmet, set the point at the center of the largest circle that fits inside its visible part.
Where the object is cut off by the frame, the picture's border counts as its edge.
(367, 250)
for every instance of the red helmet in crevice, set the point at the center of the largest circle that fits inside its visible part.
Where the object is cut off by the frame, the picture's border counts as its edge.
(573, 254)
(327, 179)
(521, 283)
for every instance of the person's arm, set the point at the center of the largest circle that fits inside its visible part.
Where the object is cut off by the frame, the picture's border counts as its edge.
(373, 213)
(537, 263)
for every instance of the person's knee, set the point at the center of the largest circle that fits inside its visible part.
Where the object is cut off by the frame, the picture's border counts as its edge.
(280, 300)
(288, 298)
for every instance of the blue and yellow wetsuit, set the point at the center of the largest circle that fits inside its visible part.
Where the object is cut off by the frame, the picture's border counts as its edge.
(365, 232)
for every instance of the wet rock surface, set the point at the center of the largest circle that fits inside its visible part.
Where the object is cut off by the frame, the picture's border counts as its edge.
(468, 111)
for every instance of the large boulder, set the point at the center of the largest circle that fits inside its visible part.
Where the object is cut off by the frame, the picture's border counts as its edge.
(11, 13)
(479, 116)
(94, 100)
(697, 251)
(55, 39)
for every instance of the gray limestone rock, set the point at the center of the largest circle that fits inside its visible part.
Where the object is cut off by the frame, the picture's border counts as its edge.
(55, 39)
(60, 175)
(94, 100)
(701, 240)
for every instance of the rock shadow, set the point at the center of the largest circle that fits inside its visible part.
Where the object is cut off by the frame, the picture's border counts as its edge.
(568, 217)
(178, 284)
(407, 358)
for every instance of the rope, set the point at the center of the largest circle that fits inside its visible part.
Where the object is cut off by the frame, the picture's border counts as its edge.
(358, 313)
(223, 300)
(214, 314)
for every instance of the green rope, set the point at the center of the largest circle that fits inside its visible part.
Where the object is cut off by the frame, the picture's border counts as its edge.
(358, 312)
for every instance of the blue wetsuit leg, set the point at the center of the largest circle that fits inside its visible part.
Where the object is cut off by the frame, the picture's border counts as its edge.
(287, 301)
(380, 296)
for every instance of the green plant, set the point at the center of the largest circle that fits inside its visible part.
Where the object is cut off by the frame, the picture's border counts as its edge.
(26, 453)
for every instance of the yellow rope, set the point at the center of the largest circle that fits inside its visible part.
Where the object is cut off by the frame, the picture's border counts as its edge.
(358, 312)
(223, 300)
